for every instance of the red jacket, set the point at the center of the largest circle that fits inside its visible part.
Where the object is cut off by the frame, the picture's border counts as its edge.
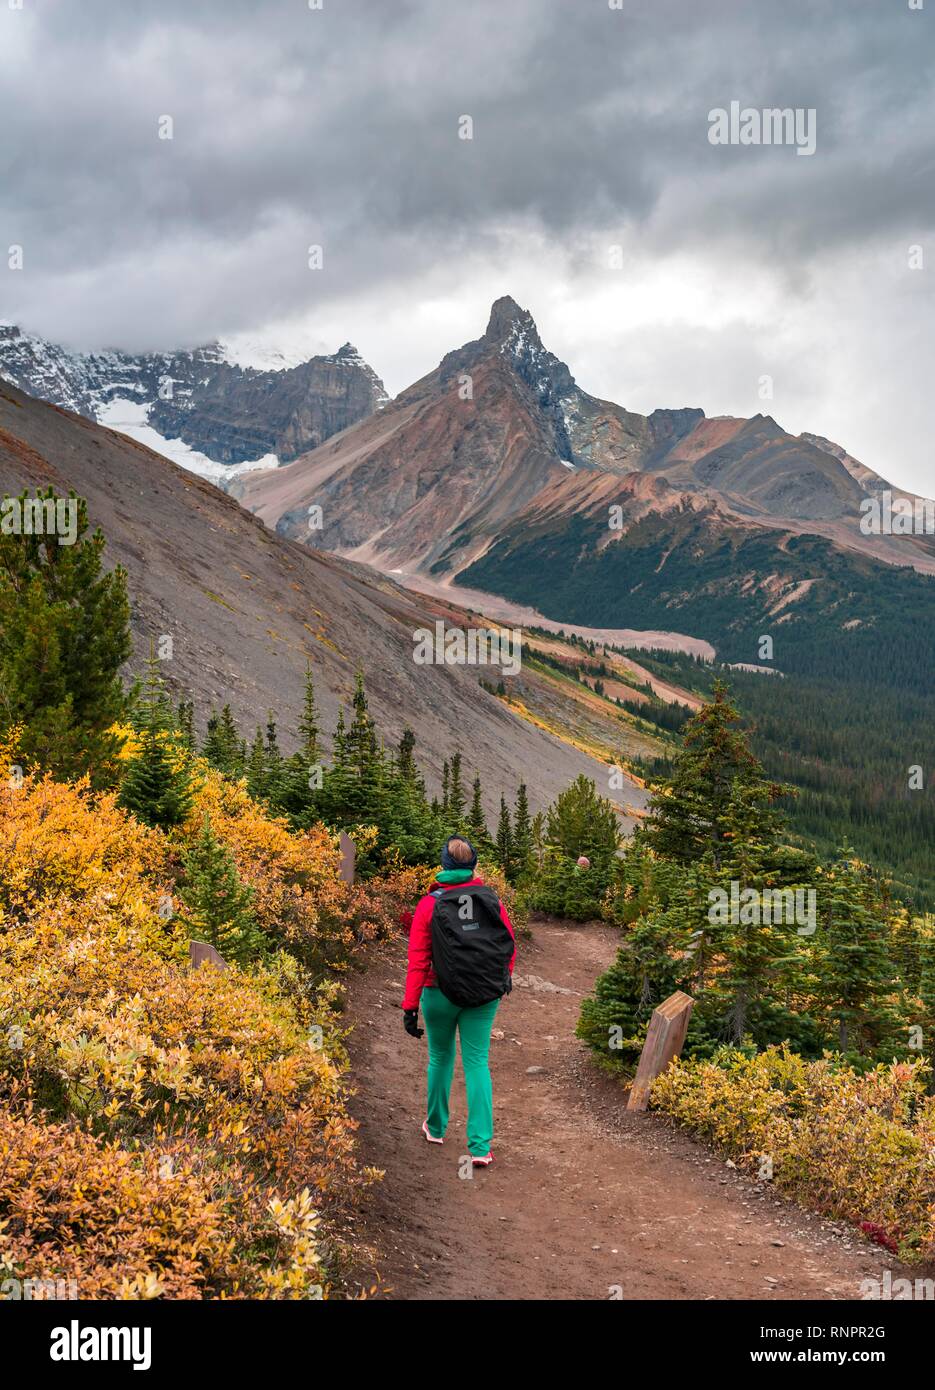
(420, 972)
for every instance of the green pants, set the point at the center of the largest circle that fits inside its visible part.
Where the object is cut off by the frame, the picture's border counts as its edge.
(442, 1020)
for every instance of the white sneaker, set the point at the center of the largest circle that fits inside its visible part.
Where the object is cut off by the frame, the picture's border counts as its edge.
(430, 1137)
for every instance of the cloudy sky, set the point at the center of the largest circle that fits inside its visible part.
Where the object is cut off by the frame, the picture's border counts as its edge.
(338, 126)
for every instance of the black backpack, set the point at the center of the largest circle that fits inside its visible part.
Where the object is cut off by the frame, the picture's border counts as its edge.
(471, 947)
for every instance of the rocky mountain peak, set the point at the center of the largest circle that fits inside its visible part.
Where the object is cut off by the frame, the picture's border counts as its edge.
(508, 320)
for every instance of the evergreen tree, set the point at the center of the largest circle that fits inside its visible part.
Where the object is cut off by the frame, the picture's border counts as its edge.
(337, 799)
(649, 966)
(537, 835)
(755, 945)
(855, 975)
(64, 634)
(216, 906)
(298, 781)
(477, 830)
(257, 783)
(186, 724)
(405, 757)
(361, 735)
(308, 725)
(522, 836)
(456, 797)
(579, 822)
(223, 747)
(157, 782)
(505, 840)
(687, 809)
(273, 758)
(927, 992)
(582, 822)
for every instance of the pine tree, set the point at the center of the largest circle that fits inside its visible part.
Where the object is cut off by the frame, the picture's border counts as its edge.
(476, 824)
(686, 811)
(446, 779)
(186, 724)
(223, 747)
(273, 760)
(64, 634)
(456, 798)
(648, 968)
(537, 835)
(505, 840)
(361, 735)
(216, 906)
(927, 992)
(754, 946)
(157, 782)
(298, 780)
(582, 822)
(405, 757)
(257, 784)
(855, 976)
(522, 836)
(308, 725)
(579, 822)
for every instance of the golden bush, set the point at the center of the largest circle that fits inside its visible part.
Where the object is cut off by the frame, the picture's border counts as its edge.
(857, 1146)
(165, 1132)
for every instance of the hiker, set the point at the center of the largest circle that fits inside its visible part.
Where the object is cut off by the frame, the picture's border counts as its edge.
(461, 954)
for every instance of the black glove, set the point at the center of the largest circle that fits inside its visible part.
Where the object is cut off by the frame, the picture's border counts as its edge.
(411, 1023)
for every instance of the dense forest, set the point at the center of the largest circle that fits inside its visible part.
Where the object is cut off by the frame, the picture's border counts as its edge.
(857, 620)
(847, 748)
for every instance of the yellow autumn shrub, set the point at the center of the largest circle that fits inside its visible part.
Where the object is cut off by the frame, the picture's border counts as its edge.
(856, 1146)
(163, 1131)
(299, 899)
(60, 840)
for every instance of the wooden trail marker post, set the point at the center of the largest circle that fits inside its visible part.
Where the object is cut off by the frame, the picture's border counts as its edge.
(200, 953)
(348, 857)
(664, 1038)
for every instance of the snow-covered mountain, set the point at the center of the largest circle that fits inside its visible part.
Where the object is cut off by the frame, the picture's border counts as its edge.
(205, 409)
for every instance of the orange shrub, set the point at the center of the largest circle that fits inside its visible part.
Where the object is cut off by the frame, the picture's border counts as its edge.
(300, 901)
(162, 1129)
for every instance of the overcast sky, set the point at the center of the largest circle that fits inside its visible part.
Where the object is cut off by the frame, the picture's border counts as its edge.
(339, 126)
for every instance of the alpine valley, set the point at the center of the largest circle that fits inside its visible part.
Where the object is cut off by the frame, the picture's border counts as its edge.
(496, 489)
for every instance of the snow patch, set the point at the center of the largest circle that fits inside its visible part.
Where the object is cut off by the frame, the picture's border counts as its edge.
(130, 418)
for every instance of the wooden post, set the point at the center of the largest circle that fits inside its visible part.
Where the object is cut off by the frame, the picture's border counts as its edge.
(664, 1038)
(348, 858)
(200, 953)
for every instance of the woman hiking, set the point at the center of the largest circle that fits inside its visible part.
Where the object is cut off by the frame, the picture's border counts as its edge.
(461, 955)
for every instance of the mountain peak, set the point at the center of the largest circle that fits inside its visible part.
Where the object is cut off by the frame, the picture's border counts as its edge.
(506, 318)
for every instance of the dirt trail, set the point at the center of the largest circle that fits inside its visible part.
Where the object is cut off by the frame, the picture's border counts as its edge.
(581, 1199)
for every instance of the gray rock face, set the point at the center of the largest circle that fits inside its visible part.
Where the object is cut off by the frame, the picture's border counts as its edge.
(231, 413)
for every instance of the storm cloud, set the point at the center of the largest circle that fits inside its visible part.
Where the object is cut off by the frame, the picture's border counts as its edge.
(588, 182)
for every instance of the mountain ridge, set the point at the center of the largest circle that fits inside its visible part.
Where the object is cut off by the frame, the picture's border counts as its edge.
(463, 452)
(231, 413)
(247, 610)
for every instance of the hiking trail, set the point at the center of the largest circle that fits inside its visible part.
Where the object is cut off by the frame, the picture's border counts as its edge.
(582, 1199)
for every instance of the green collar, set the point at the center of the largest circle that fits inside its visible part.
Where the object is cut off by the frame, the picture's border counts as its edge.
(454, 875)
